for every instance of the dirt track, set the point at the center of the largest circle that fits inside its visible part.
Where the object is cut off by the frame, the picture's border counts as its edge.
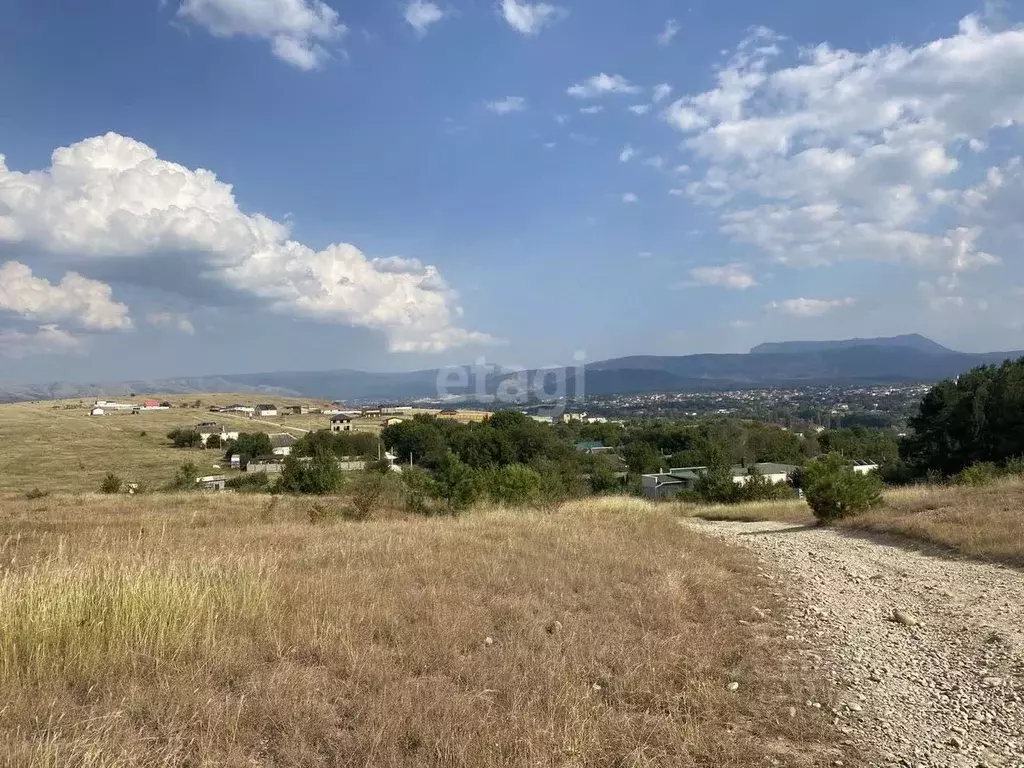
(947, 691)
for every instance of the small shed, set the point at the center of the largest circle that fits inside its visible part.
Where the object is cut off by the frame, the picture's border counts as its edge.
(96, 412)
(212, 482)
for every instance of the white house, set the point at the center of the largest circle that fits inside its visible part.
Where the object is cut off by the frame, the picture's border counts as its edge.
(341, 423)
(664, 485)
(862, 467)
(208, 430)
(265, 410)
(282, 444)
(96, 412)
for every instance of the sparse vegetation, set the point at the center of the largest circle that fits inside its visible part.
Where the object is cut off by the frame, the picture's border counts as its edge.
(985, 522)
(219, 630)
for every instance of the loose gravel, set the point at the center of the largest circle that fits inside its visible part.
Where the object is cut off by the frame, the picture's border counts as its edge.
(927, 653)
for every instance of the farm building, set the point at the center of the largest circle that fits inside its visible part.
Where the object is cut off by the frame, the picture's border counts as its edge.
(208, 429)
(212, 482)
(341, 423)
(282, 443)
(265, 410)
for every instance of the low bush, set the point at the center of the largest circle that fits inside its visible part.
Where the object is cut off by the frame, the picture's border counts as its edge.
(366, 496)
(111, 483)
(249, 482)
(35, 493)
(321, 512)
(835, 491)
(977, 475)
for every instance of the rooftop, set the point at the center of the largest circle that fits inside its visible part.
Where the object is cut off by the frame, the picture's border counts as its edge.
(282, 440)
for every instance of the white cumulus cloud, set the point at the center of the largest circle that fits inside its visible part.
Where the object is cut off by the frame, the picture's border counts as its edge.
(112, 197)
(661, 92)
(630, 198)
(530, 18)
(421, 15)
(627, 154)
(809, 307)
(592, 110)
(853, 155)
(640, 109)
(297, 30)
(600, 85)
(86, 303)
(507, 105)
(46, 340)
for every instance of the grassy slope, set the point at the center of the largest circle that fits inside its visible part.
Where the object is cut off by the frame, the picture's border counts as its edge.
(985, 523)
(227, 630)
(43, 445)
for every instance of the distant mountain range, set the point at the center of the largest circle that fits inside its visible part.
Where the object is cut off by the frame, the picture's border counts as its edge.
(897, 359)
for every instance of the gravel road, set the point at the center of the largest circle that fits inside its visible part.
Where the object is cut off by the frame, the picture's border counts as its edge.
(942, 685)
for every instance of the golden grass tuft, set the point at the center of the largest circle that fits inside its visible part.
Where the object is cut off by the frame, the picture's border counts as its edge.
(130, 635)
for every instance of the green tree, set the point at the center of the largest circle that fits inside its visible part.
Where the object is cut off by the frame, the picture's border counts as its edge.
(715, 484)
(248, 446)
(641, 457)
(515, 485)
(455, 484)
(317, 475)
(185, 477)
(213, 441)
(184, 438)
(834, 490)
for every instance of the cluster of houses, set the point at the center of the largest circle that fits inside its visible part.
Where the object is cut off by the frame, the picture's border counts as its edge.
(666, 485)
(103, 407)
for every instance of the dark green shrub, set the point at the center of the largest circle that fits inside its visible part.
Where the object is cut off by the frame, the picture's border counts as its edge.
(111, 483)
(250, 482)
(184, 438)
(455, 485)
(417, 491)
(977, 475)
(35, 493)
(834, 490)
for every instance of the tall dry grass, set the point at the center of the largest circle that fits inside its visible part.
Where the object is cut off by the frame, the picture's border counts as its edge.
(783, 511)
(985, 523)
(230, 631)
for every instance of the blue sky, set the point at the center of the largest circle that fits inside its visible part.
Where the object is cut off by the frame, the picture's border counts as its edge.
(399, 185)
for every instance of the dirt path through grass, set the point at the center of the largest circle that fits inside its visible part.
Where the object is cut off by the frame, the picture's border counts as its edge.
(945, 691)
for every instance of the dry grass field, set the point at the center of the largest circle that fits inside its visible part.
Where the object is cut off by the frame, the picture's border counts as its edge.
(55, 445)
(227, 630)
(985, 523)
(790, 511)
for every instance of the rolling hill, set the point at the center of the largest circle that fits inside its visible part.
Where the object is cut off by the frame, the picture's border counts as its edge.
(898, 359)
